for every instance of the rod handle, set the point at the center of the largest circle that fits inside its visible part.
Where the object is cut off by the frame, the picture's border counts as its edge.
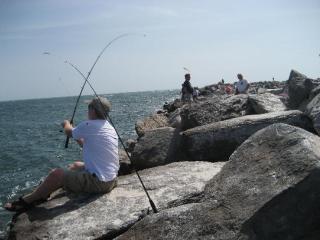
(67, 142)
(153, 206)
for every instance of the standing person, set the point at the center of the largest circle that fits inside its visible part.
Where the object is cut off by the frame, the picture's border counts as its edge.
(187, 89)
(96, 174)
(242, 85)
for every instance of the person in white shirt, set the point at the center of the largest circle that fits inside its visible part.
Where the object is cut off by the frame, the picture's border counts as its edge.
(242, 85)
(96, 174)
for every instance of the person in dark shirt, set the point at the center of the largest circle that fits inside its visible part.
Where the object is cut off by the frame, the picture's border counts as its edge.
(187, 89)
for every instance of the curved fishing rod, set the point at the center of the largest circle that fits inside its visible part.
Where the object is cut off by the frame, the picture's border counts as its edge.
(107, 116)
(88, 75)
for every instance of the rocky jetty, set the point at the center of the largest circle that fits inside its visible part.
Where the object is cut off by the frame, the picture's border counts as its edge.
(109, 215)
(222, 167)
(267, 190)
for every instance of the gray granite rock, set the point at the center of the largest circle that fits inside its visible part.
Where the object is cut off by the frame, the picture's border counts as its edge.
(106, 216)
(172, 106)
(266, 102)
(300, 87)
(269, 189)
(313, 111)
(149, 123)
(157, 147)
(314, 92)
(217, 141)
(174, 118)
(214, 109)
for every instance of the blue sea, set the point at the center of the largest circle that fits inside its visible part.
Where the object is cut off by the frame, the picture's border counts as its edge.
(31, 143)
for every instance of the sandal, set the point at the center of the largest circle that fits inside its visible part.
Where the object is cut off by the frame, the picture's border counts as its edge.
(19, 205)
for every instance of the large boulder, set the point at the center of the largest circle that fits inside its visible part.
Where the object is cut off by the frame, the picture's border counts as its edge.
(214, 109)
(269, 189)
(300, 87)
(266, 102)
(152, 122)
(106, 216)
(157, 147)
(313, 111)
(217, 141)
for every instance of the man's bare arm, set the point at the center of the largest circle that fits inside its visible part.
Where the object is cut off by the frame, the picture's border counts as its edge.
(68, 131)
(67, 127)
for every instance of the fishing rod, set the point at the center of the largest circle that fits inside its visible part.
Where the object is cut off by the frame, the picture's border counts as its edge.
(186, 69)
(107, 116)
(87, 77)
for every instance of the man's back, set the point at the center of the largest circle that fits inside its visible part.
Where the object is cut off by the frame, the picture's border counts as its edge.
(242, 86)
(100, 148)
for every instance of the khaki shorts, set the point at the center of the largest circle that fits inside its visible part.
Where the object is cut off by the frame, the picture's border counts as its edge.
(85, 182)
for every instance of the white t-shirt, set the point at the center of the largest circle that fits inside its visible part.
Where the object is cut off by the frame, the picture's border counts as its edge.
(100, 148)
(242, 86)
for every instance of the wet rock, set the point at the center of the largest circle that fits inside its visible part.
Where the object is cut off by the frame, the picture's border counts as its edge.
(269, 189)
(152, 122)
(217, 141)
(157, 147)
(266, 102)
(106, 216)
(214, 109)
(313, 111)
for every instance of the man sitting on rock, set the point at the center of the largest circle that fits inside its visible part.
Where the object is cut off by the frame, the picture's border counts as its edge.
(242, 85)
(98, 172)
(187, 89)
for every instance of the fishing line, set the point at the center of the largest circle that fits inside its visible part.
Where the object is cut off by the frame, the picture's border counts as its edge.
(64, 86)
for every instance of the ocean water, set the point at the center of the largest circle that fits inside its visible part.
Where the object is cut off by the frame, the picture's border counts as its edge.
(31, 143)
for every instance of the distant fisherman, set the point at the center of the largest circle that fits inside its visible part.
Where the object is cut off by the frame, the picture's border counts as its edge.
(187, 90)
(242, 85)
(98, 172)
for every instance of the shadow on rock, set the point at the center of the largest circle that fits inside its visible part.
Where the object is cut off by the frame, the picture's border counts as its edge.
(52, 210)
(276, 220)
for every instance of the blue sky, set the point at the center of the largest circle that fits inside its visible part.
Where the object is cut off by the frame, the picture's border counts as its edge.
(214, 39)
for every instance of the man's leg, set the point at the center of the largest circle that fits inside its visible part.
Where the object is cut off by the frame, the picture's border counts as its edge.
(52, 182)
